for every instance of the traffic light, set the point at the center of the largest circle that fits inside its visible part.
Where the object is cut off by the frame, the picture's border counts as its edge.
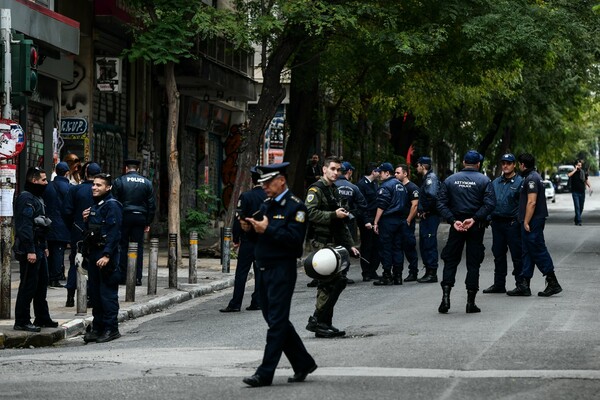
(24, 67)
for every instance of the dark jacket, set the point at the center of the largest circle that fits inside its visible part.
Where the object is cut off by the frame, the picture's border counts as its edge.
(136, 194)
(249, 202)
(108, 215)
(466, 194)
(507, 193)
(428, 193)
(29, 237)
(54, 196)
(392, 197)
(78, 199)
(354, 199)
(369, 191)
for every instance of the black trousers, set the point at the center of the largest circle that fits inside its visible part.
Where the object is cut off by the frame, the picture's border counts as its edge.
(244, 262)
(103, 289)
(32, 287)
(369, 250)
(452, 254)
(132, 230)
(275, 290)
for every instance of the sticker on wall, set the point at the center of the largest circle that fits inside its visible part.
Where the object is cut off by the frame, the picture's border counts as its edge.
(12, 139)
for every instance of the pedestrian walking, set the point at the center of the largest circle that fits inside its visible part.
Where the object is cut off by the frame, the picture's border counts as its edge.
(248, 205)
(390, 224)
(281, 230)
(101, 248)
(327, 227)
(533, 212)
(369, 261)
(136, 194)
(579, 183)
(506, 230)
(31, 228)
(429, 219)
(409, 241)
(466, 200)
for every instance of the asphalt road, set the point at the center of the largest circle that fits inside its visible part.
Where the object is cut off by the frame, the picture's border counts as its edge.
(398, 346)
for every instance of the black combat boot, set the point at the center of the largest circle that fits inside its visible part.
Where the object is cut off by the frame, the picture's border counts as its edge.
(429, 277)
(397, 279)
(552, 286)
(445, 305)
(522, 289)
(411, 277)
(386, 279)
(70, 298)
(471, 307)
(495, 289)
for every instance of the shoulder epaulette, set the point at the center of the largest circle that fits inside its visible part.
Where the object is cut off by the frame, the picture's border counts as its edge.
(296, 199)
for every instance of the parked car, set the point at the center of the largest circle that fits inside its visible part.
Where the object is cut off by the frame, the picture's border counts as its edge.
(561, 180)
(550, 193)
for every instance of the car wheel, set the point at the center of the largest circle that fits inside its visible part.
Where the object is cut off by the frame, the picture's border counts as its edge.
(554, 200)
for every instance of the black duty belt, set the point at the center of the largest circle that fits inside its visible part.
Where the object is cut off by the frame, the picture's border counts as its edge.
(503, 219)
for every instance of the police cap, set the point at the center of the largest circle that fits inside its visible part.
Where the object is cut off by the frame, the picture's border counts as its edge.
(61, 168)
(132, 161)
(386, 166)
(268, 172)
(255, 174)
(346, 166)
(472, 157)
(508, 157)
(424, 160)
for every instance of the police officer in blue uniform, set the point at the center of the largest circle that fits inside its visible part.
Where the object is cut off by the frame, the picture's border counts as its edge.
(59, 235)
(390, 224)
(136, 194)
(31, 227)
(369, 248)
(248, 204)
(533, 212)
(281, 229)
(79, 198)
(101, 248)
(429, 219)
(506, 230)
(409, 241)
(466, 200)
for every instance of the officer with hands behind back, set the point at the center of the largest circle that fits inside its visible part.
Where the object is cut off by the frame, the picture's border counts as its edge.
(281, 229)
(101, 248)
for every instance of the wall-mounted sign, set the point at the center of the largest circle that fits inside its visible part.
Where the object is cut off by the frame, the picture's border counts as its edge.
(12, 139)
(108, 74)
(73, 126)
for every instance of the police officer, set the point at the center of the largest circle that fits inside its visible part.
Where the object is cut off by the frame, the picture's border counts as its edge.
(327, 227)
(281, 229)
(390, 224)
(79, 198)
(429, 219)
(369, 261)
(31, 227)
(466, 200)
(248, 204)
(136, 194)
(533, 212)
(506, 230)
(59, 235)
(101, 248)
(352, 200)
(409, 242)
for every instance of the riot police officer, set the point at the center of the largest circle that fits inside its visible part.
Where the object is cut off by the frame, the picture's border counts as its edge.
(369, 261)
(281, 227)
(248, 204)
(390, 224)
(466, 200)
(429, 219)
(326, 227)
(31, 227)
(136, 194)
(101, 248)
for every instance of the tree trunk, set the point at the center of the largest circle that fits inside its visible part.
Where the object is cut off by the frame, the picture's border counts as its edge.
(174, 217)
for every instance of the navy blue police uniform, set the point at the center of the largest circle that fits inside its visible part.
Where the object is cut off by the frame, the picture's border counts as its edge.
(506, 230)
(466, 194)
(103, 232)
(30, 237)
(369, 247)
(276, 252)
(248, 203)
(59, 235)
(409, 241)
(136, 194)
(354, 202)
(392, 226)
(429, 222)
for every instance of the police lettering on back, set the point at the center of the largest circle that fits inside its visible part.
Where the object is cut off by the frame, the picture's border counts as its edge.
(135, 179)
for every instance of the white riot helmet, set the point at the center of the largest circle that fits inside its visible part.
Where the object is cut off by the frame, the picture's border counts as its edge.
(326, 263)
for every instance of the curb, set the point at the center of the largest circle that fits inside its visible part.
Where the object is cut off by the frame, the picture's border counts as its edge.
(49, 336)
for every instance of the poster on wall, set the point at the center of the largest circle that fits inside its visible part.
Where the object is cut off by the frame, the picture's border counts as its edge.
(12, 139)
(108, 74)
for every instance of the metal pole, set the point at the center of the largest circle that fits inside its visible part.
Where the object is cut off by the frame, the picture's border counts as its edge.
(172, 260)
(131, 271)
(226, 250)
(193, 275)
(6, 222)
(153, 266)
(81, 285)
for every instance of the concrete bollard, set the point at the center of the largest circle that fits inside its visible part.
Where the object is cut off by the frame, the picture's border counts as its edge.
(131, 271)
(173, 260)
(226, 251)
(82, 279)
(153, 266)
(193, 275)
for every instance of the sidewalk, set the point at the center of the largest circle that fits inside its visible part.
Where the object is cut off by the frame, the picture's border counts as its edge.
(210, 279)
